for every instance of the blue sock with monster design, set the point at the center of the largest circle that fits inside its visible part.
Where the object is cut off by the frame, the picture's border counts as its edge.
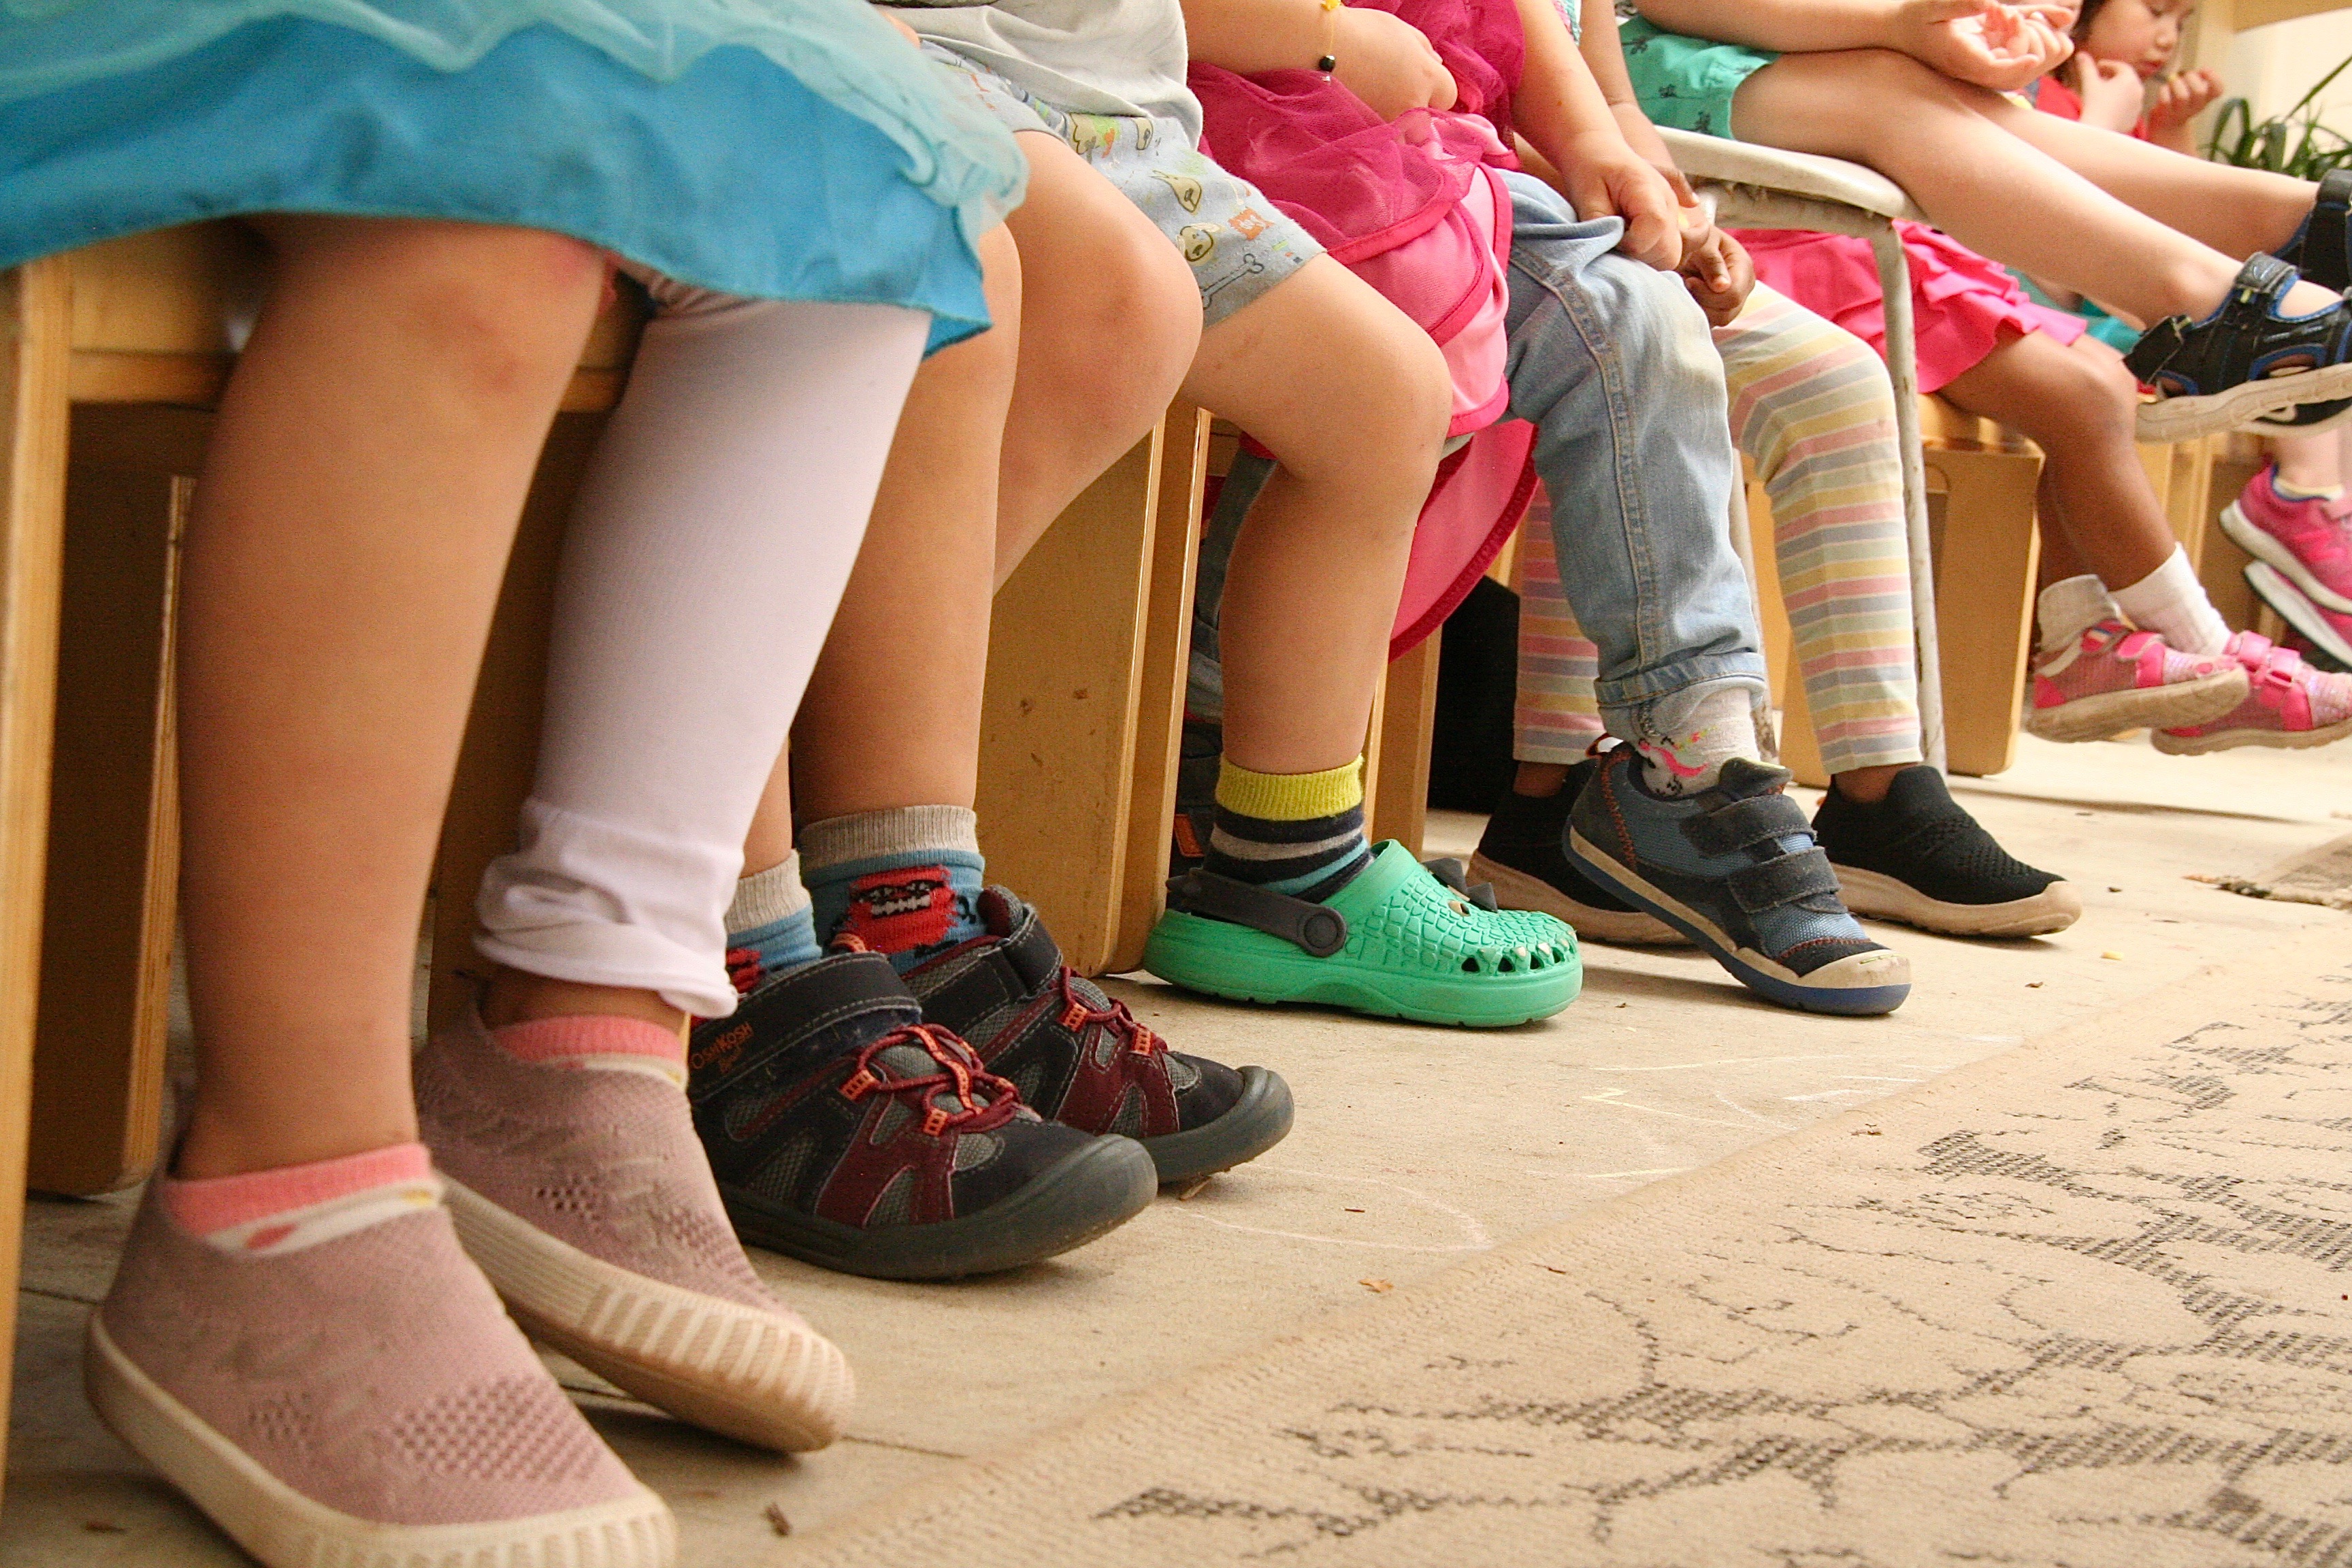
(906, 881)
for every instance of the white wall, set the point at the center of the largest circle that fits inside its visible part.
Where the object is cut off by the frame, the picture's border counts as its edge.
(2275, 65)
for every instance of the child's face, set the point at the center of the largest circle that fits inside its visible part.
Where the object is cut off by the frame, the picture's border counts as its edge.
(2141, 34)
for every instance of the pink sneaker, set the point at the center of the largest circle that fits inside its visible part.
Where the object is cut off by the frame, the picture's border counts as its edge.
(2308, 541)
(2114, 679)
(344, 1389)
(2290, 704)
(2330, 632)
(578, 1186)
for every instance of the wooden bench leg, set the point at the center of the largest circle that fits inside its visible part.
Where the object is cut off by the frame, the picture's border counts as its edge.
(1984, 600)
(501, 746)
(1159, 703)
(1396, 772)
(113, 877)
(35, 326)
(1065, 662)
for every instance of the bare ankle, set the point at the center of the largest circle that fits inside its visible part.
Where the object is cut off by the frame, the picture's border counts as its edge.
(516, 997)
(1539, 780)
(1867, 787)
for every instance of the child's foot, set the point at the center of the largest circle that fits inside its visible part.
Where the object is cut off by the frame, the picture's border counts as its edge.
(2289, 704)
(2329, 631)
(579, 1186)
(1081, 1059)
(2244, 361)
(2113, 679)
(335, 1383)
(1519, 854)
(1735, 868)
(849, 1133)
(1394, 942)
(1917, 857)
(2308, 540)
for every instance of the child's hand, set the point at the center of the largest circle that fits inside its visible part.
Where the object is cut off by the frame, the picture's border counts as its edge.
(1389, 64)
(1720, 274)
(1612, 180)
(2112, 96)
(2180, 101)
(1989, 43)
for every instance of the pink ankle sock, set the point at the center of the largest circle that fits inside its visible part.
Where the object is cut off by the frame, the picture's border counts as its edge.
(300, 1205)
(596, 1040)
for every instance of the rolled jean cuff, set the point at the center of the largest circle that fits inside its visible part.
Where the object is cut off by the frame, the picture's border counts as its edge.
(1663, 702)
(599, 904)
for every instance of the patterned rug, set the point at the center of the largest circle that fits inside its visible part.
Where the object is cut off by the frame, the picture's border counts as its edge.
(2088, 1303)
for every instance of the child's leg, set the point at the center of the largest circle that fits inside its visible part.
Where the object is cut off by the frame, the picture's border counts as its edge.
(1964, 158)
(710, 543)
(1352, 399)
(358, 500)
(1613, 363)
(358, 497)
(2104, 537)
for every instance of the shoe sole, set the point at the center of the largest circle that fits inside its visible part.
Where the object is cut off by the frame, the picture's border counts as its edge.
(2335, 421)
(283, 1529)
(1263, 975)
(1255, 1122)
(1090, 1193)
(2229, 740)
(1884, 898)
(1773, 982)
(2280, 558)
(2109, 714)
(1516, 890)
(720, 1364)
(2237, 407)
(2296, 611)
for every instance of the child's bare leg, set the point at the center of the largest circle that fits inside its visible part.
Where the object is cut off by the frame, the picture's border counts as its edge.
(2076, 405)
(1998, 193)
(1112, 318)
(2311, 464)
(1353, 400)
(358, 501)
(876, 730)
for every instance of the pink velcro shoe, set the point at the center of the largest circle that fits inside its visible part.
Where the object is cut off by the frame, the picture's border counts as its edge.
(578, 1186)
(338, 1386)
(2308, 541)
(2113, 679)
(2289, 704)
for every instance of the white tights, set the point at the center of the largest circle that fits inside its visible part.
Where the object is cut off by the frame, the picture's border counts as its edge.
(710, 544)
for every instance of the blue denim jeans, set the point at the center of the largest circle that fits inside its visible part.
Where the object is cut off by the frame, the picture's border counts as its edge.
(1612, 363)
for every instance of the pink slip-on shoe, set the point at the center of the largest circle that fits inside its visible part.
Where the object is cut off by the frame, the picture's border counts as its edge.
(2113, 679)
(2288, 704)
(338, 1386)
(578, 1186)
(2308, 541)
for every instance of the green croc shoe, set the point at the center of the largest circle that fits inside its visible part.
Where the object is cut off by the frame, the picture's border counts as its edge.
(1396, 942)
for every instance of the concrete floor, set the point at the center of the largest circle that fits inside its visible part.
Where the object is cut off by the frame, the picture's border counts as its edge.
(1415, 1147)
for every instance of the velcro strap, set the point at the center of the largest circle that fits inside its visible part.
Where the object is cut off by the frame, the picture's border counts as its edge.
(792, 1010)
(1031, 947)
(1758, 819)
(981, 988)
(2155, 350)
(2323, 237)
(2262, 276)
(1316, 929)
(1782, 880)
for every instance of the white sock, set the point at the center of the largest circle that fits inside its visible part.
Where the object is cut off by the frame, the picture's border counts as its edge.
(2296, 492)
(2171, 603)
(2071, 606)
(1720, 725)
(764, 898)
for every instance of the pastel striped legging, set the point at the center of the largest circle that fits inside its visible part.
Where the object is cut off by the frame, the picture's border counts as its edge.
(1813, 409)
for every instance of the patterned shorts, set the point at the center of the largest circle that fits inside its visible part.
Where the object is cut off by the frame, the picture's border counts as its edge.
(1686, 83)
(1240, 244)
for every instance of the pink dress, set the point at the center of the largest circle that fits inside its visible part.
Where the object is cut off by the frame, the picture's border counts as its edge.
(1963, 306)
(1414, 207)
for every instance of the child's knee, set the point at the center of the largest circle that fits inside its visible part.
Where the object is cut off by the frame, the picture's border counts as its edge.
(501, 308)
(1405, 398)
(1122, 336)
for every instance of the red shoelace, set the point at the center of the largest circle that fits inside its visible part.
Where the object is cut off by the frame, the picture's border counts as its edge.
(960, 1075)
(1078, 1014)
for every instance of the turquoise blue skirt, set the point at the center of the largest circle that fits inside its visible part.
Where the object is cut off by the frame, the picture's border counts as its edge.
(730, 175)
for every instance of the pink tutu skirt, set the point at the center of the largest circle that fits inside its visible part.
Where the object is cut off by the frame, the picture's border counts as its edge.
(1963, 306)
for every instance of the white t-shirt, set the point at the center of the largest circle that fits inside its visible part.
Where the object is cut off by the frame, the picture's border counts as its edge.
(1088, 56)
